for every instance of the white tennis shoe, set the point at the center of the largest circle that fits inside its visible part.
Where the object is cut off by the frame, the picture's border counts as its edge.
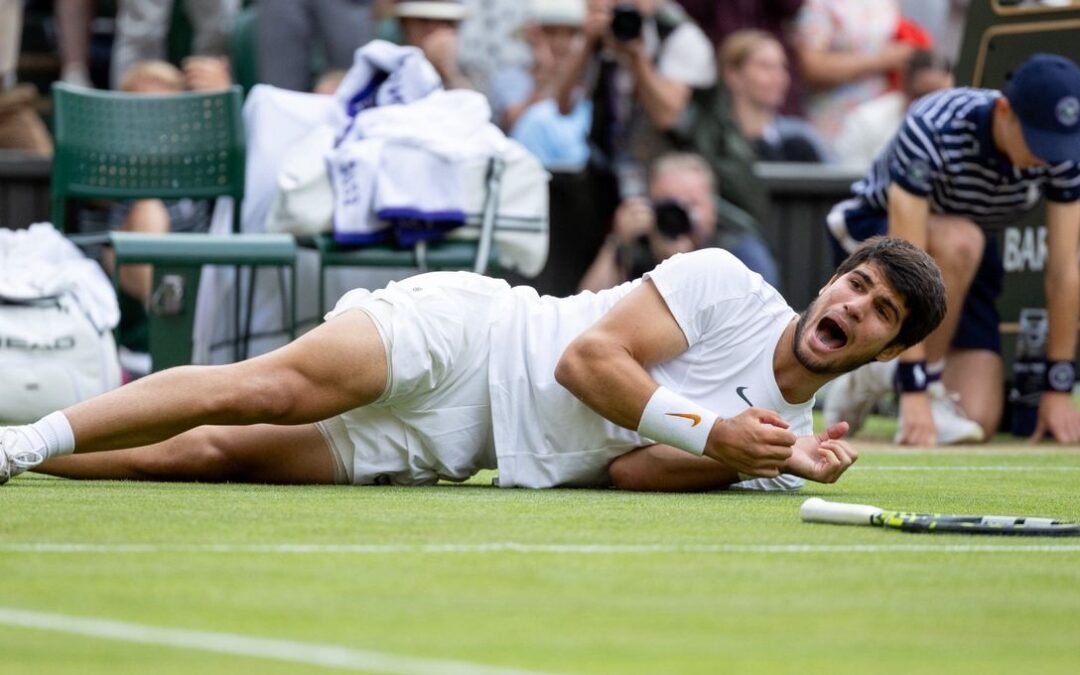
(852, 396)
(953, 426)
(15, 455)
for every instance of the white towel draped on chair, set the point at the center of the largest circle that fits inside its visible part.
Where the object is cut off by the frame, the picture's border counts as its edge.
(414, 149)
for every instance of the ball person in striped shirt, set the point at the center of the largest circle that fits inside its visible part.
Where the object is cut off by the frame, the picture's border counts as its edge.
(964, 163)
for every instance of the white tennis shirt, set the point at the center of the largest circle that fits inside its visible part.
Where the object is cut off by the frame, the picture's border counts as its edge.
(732, 319)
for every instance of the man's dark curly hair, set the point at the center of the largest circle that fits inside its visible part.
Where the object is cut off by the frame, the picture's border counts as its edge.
(913, 274)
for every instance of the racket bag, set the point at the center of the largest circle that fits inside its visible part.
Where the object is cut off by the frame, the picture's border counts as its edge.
(57, 312)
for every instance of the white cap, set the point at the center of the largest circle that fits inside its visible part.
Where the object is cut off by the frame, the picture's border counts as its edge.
(449, 10)
(557, 12)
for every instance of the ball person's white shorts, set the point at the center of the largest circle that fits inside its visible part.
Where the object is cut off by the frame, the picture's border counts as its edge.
(434, 419)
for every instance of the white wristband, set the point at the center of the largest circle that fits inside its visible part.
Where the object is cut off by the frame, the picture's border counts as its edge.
(677, 421)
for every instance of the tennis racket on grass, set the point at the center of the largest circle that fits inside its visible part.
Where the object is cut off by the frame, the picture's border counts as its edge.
(817, 510)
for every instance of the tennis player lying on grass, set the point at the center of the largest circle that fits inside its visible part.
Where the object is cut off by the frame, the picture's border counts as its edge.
(697, 377)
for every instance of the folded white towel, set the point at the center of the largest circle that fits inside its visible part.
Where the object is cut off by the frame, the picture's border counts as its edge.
(39, 262)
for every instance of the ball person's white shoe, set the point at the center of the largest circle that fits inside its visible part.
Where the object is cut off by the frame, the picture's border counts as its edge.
(13, 458)
(852, 396)
(953, 426)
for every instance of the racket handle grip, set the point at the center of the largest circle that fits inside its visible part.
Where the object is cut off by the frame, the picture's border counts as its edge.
(817, 510)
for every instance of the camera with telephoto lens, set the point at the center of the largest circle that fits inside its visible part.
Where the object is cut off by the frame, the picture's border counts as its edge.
(626, 22)
(672, 219)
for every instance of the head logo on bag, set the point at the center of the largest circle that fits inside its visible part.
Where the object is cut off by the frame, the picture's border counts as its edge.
(59, 343)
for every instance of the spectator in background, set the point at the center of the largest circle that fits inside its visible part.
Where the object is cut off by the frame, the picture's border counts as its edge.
(492, 40)
(290, 30)
(681, 214)
(328, 82)
(868, 128)
(142, 27)
(550, 31)
(846, 49)
(524, 102)
(11, 23)
(433, 26)
(755, 70)
(644, 61)
(154, 216)
(20, 126)
(73, 37)
(721, 19)
(943, 20)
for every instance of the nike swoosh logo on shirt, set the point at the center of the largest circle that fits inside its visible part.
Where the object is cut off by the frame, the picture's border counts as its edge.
(696, 419)
(741, 391)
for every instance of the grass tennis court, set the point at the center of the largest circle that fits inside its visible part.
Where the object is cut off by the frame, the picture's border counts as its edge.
(463, 579)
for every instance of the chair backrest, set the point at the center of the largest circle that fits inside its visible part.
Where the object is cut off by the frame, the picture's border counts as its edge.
(112, 145)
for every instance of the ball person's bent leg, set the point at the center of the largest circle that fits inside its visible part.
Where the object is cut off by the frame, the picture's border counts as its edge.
(957, 247)
(261, 453)
(977, 376)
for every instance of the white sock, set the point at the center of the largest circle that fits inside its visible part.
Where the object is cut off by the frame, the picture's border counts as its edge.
(76, 73)
(52, 435)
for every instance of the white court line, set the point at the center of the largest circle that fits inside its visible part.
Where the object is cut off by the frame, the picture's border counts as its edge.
(955, 467)
(974, 451)
(307, 653)
(513, 547)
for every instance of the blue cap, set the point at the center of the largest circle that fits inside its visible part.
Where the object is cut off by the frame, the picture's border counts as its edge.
(1044, 92)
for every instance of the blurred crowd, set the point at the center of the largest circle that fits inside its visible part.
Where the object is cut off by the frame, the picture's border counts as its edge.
(664, 105)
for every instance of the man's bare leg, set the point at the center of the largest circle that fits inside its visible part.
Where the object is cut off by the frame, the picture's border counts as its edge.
(957, 246)
(977, 376)
(262, 453)
(149, 216)
(336, 367)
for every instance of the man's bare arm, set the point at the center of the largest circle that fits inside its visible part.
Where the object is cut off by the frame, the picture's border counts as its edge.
(909, 219)
(661, 468)
(1057, 414)
(663, 99)
(822, 68)
(605, 367)
(595, 26)
(909, 216)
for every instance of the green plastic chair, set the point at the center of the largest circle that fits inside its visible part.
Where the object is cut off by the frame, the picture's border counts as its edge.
(424, 257)
(478, 255)
(112, 145)
(178, 260)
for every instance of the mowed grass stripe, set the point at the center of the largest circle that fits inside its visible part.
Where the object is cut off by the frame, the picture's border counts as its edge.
(514, 547)
(310, 654)
(954, 467)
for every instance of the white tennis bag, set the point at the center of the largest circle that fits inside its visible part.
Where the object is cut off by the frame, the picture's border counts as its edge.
(57, 312)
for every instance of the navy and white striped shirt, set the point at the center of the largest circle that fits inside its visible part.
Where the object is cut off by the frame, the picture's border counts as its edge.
(945, 152)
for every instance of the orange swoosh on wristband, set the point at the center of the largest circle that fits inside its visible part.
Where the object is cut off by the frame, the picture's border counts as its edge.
(696, 419)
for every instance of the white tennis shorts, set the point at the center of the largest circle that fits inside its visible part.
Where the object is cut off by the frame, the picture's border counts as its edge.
(434, 419)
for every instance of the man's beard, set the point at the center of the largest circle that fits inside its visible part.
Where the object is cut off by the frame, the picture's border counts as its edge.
(817, 367)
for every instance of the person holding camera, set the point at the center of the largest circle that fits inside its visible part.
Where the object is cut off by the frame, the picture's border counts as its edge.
(642, 60)
(682, 213)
